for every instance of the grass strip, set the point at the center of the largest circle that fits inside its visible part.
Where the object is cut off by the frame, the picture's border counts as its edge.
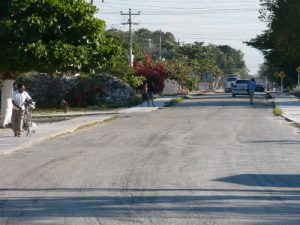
(173, 102)
(277, 111)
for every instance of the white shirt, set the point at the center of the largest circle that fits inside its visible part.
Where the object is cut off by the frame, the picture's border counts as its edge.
(20, 98)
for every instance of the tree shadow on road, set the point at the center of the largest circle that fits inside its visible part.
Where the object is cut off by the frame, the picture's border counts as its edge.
(265, 180)
(224, 101)
(287, 142)
(169, 203)
(289, 104)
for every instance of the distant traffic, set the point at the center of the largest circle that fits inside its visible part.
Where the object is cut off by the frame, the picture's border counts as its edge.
(237, 86)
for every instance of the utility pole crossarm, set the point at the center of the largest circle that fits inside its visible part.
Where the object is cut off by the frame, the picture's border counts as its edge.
(131, 23)
(130, 13)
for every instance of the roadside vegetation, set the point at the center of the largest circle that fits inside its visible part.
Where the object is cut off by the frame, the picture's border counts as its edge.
(100, 107)
(280, 43)
(62, 52)
(173, 102)
(277, 111)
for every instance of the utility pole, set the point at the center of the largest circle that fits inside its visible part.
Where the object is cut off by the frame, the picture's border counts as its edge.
(130, 23)
(159, 45)
(150, 46)
(266, 86)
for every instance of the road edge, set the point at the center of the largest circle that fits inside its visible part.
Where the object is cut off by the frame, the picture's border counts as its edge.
(62, 133)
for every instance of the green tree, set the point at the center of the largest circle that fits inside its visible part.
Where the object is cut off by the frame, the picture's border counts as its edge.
(50, 36)
(200, 59)
(149, 42)
(146, 42)
(232, 61)
(265, 71)
(195, 57)
(196, 50)
(280, 43)
(178, 69)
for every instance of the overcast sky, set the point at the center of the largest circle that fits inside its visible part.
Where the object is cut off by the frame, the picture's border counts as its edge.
(222, 22)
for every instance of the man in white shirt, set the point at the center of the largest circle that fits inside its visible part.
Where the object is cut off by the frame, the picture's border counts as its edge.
(19, 97)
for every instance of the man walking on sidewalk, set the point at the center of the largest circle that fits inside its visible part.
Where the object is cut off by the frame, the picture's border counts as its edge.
(19, 97)
(251, 89)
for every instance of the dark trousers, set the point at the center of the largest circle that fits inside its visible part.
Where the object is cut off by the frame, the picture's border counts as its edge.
(251, 94)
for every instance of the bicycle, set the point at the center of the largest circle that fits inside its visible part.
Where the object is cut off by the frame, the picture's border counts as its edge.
(27, 120)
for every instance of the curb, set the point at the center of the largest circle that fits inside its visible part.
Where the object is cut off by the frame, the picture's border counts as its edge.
(283, 114)
(70, 115)
(58, 134)
(78, 127)
(108, 116)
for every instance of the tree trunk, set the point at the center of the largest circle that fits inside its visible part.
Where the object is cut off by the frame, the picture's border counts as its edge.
(216, 83)
(6, 104)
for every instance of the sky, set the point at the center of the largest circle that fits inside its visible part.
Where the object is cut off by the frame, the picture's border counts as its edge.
(221, 22)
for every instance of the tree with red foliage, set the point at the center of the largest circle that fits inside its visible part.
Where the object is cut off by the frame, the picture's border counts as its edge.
(151, 71)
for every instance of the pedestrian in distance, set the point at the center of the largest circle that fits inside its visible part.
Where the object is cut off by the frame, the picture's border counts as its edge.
(145, 93)
(19, 98)
(65, 105)
(150, 93)
(251, 89)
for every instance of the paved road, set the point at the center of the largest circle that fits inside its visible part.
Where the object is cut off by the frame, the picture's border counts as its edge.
(211, 160)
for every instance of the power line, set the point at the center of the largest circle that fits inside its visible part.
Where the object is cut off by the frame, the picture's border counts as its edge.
(166, 13)
(189, 2)
(159, 7)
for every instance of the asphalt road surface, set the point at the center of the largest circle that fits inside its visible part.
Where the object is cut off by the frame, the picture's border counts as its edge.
(210, 160)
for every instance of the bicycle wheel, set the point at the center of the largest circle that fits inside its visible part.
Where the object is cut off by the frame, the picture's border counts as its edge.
(27, 124)
(29, 130)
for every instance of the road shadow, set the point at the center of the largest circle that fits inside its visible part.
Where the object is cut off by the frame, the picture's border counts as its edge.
(287, 142)
(289, 103)
(264, 180)
(117, 203)
(224, 101)
(236, 103)
(141, 190)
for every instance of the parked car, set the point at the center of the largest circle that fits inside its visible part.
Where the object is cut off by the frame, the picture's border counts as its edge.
(229, 84)
(259, 88)
(240, 87)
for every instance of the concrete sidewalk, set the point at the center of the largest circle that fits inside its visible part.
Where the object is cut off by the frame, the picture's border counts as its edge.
(289, 104)
(48, 130)
(45, 131)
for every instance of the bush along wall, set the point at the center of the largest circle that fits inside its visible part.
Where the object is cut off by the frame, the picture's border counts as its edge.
(80, 91)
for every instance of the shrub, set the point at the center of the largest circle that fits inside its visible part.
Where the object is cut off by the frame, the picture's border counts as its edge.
(81, 91)
(277, 111)
(155, 72)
